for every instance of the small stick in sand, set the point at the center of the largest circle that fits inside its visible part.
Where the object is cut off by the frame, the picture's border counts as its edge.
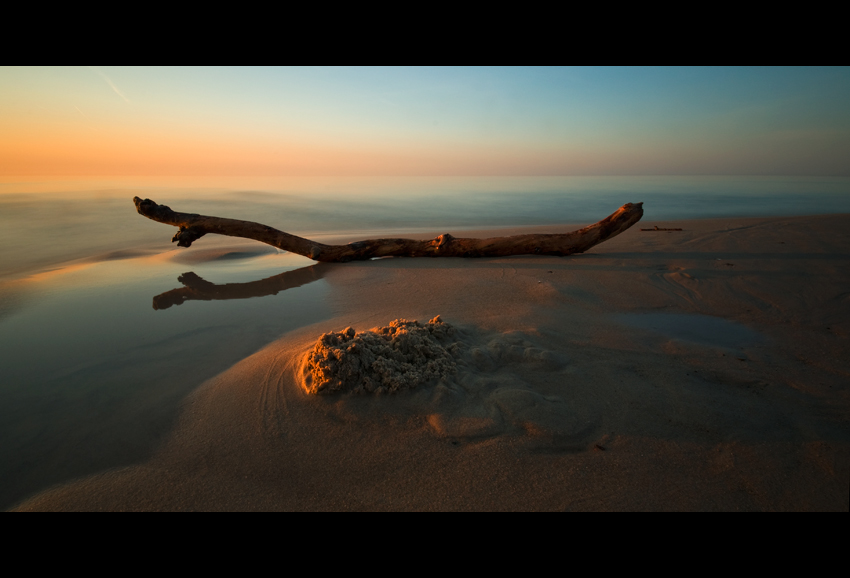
(192, 227)
(657, 229)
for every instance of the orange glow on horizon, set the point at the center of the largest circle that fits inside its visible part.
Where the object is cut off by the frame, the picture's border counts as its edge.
(68, 152)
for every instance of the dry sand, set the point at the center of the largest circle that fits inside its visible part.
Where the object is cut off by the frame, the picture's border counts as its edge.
(706, 369)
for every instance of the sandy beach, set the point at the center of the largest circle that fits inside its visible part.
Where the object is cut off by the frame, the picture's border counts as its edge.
(697, 370)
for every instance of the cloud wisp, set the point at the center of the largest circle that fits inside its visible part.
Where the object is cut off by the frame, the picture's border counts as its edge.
(111, 84)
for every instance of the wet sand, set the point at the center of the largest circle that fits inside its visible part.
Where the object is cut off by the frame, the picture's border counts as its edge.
(702, 369)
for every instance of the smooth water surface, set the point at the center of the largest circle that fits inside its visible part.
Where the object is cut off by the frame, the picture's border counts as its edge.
(92, 375)
(42, 223)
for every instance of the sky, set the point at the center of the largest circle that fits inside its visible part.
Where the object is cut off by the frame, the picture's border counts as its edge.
(85, 121)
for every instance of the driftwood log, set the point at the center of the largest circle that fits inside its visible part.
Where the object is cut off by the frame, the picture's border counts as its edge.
(192, 227)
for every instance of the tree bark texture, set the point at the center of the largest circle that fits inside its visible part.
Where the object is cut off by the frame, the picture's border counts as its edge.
(192, 227)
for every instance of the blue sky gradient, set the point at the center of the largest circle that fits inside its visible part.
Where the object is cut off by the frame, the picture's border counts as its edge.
(425, 121)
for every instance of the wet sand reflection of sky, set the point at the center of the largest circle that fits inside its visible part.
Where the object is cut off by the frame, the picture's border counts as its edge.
(91, 373)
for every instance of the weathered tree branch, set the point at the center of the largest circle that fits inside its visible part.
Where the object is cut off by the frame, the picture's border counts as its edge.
(192, 227)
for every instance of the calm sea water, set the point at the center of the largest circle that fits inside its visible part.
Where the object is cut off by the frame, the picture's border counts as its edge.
(98, 344)
(50, 221)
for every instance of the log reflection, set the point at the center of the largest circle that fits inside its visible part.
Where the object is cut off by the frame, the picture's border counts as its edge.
(197, 289)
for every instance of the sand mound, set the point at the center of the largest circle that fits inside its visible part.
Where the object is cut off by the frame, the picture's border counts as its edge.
(403, 355)
(468, 385)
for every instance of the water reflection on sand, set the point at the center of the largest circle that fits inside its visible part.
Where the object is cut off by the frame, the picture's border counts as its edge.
(198, 289)
(92, 376)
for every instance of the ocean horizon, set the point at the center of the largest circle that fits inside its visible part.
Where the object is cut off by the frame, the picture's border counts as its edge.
(91, 215)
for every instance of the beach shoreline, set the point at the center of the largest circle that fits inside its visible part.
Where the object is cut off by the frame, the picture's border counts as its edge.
(702, 369)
